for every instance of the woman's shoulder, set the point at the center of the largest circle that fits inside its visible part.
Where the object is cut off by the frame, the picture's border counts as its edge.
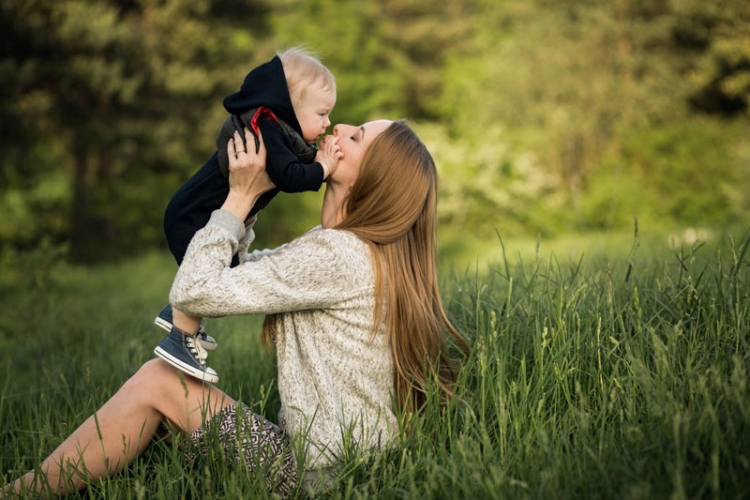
(338, 237)
(335, 243)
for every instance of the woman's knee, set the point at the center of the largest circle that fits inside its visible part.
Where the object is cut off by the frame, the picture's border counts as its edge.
(155, 367)
(154, 377)
(163, 382)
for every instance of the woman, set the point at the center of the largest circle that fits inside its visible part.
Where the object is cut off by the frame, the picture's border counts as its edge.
(353, 310)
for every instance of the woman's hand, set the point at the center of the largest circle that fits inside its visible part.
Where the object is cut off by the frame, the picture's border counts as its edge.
(248, 178)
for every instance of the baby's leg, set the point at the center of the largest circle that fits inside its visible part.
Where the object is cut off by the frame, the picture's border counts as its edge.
(185, 322)
(187, 212)
(191, 206)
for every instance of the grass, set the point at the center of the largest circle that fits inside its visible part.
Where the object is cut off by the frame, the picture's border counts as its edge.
(612, 374)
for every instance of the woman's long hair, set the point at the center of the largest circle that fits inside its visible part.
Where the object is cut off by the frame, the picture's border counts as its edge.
(392, 207)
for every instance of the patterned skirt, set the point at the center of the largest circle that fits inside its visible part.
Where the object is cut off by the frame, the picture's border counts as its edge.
(249, 440)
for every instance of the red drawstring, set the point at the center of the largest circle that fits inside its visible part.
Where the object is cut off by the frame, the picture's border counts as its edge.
(262, 111)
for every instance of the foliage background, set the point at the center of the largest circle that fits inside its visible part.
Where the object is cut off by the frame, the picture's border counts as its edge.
(545, 117)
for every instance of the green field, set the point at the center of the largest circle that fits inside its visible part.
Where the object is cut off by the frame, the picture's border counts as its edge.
(598, 370)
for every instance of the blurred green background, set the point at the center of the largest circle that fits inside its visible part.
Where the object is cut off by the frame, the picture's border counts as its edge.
(557, 118)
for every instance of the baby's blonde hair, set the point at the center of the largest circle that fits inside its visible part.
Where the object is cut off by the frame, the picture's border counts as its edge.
(303, 69)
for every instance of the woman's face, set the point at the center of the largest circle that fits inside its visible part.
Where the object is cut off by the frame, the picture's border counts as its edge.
(353, 142)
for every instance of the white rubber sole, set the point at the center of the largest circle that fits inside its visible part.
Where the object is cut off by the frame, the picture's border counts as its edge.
(163, 324)
(209, 345)
(207, 376)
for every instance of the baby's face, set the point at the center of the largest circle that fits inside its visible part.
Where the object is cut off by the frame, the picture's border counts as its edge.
(313, 110)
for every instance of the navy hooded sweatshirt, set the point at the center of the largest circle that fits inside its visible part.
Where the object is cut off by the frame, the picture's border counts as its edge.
(192, 205)
(285, 161)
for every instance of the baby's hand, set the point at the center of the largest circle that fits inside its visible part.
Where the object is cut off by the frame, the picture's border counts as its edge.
(329, 155)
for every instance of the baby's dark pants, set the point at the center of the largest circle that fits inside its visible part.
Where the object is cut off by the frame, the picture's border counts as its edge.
(192, 205)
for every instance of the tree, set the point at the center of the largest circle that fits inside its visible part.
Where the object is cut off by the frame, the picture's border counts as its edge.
(125, 96)
(387, 56)
(719, 36)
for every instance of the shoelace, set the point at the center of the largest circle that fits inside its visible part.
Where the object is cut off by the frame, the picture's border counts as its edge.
(197, 349)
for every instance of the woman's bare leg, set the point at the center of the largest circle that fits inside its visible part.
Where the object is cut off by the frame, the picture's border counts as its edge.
(123, 427)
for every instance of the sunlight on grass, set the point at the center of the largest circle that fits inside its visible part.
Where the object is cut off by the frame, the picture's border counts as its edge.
(608, 366)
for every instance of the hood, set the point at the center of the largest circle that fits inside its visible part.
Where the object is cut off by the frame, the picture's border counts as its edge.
(265, 86)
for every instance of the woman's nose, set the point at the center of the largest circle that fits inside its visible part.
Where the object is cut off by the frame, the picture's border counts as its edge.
(340, 129)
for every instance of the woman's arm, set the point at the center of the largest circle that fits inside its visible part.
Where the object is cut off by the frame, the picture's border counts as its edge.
(319, 270)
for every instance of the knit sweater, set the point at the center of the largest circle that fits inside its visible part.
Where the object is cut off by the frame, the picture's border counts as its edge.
(335, 377)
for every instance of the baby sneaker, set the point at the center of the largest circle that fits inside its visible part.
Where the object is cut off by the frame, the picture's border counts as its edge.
(164, 321)
(185, 353)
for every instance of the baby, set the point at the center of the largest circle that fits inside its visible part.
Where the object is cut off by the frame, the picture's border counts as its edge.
(288, 99)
